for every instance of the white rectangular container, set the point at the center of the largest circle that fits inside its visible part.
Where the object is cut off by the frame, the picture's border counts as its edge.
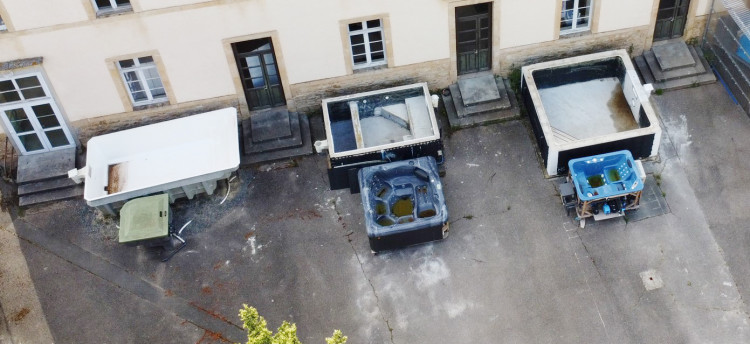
(181, 157)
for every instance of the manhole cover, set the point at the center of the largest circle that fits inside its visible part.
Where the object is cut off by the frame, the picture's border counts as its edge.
(651, 279)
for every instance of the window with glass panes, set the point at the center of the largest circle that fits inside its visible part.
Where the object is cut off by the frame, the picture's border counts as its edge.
(142, 80)
(2, 25)
(368, 43)
(111, 5)
(30, 115)
(575, 16)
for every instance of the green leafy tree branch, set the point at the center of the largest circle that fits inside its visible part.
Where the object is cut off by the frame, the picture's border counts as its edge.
(258, 332)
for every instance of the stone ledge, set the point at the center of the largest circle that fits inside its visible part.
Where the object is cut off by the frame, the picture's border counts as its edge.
(21, 63)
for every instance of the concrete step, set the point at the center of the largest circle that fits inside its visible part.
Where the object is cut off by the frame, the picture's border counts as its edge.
(270, 125)
(50, 196)
(49, 165)
(462, 111)
(673, 54)
(396, 113)
(643, 71)
(675, 73)
(562, 136)
(707, 77)
(457, 122)
(45, 185)
(253, 146)
(693, 81)
(286, 153)
(419, 117)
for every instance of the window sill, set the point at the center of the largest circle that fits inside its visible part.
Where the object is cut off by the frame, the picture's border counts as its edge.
(155, 104)
(575, 33)
(113, 12)
(366, 69)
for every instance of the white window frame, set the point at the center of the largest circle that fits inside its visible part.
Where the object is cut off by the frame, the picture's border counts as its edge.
(26, 105)
(114, 7)
(3, 27)
(365, 31)
(139, 68)
(572, 15)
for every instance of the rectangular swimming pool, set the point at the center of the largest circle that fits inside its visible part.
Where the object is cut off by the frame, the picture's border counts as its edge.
(370, 128)
(588, 105)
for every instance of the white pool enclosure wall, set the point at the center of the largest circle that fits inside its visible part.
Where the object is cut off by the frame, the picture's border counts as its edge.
(588, 105)
(379, 120)
(181, 157)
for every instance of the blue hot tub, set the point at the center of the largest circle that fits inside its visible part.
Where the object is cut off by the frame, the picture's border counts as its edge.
(404, 203)
(605, 176)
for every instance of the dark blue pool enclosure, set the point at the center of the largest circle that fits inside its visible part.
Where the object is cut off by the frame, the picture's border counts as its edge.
(404, 203)
(371, 128)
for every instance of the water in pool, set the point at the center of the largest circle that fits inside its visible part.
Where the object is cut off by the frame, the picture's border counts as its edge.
(613, 175)
(385, 221)
(426, 213)
(589, 108)
(380, 208)
(596, 181)
(404, 206)
(406, 219)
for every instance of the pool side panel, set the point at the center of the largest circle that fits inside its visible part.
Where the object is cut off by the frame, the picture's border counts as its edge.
(586, 71)
(536, 127)
(343, 171)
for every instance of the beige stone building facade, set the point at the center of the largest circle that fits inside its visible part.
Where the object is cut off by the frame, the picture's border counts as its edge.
(70, 69)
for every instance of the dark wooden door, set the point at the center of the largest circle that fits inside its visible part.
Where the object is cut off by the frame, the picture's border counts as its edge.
(473, 38)
(259, 73)
(670, 19)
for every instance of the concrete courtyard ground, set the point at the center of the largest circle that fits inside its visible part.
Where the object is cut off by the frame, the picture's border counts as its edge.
(515, 268)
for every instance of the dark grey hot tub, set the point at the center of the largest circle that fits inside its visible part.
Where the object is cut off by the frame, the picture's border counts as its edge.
(588, 105)
(404, 203)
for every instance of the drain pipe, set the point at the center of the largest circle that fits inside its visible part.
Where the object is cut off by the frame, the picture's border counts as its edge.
(708, 23)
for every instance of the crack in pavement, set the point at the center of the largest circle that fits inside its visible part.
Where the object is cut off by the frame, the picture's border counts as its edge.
(586, 280)
(362, 268)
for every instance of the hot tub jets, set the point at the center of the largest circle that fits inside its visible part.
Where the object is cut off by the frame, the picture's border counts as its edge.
(404, 203)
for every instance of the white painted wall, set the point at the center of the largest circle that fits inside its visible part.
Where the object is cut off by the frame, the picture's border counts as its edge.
(189, 42)
(189, 39)
(526, 22)
(147, 5)
(32, 14)
(617, 15)
(704, 7)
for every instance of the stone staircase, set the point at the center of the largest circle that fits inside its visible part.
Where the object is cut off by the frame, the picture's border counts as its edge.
(479, 99)
(274, 134)
(674, 65)
(44, 178)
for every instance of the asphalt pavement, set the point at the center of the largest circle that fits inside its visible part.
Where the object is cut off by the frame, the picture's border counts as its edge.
(515, 268)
